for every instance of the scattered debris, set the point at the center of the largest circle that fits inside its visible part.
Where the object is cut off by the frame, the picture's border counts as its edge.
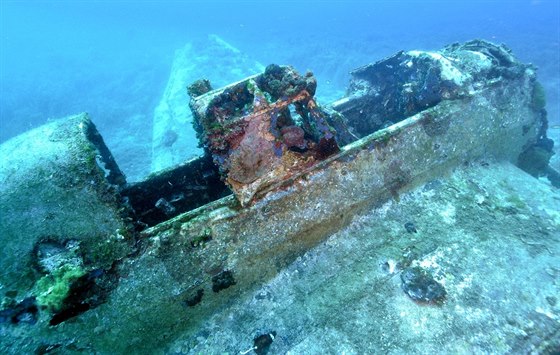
(195, 299)
(46, 348)
(262, 343)
(419, 285)
(410, 227)
(222, 280)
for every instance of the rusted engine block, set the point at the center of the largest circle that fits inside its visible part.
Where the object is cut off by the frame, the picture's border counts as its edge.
(262, 130)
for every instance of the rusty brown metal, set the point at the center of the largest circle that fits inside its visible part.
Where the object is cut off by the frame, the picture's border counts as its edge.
(264, 129)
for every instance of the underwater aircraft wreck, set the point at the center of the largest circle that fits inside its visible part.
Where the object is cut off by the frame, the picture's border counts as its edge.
(93, 264)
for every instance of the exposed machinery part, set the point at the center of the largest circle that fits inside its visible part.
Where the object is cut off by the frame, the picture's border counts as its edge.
(262, 130)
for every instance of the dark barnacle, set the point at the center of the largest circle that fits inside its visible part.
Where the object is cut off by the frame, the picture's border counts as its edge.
(261, 344)
(410, 227)
(195, 299)
(201, 240)
(199, 87)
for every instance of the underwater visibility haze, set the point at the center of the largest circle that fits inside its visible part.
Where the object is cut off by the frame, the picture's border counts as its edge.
(270, 177)
(113, 59)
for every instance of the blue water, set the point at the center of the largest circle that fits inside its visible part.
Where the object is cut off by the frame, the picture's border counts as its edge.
(112, 58)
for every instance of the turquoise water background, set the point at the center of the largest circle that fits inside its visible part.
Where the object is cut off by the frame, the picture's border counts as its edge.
(112, 59)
